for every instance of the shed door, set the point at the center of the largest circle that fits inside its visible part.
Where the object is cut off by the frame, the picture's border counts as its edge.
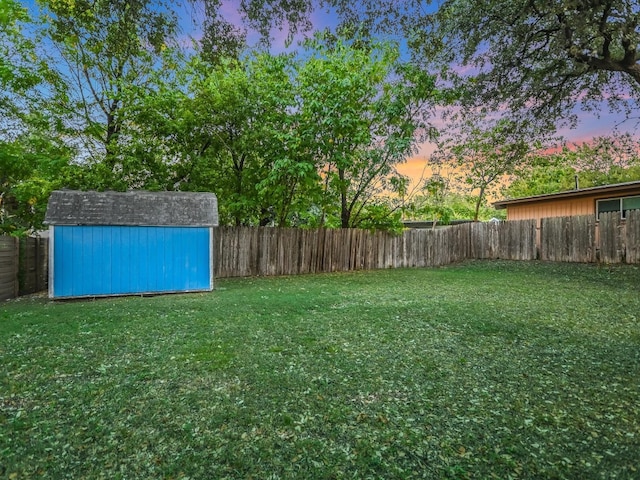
(114, 260)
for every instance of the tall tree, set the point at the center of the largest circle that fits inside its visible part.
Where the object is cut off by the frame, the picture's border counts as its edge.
(486, 152)
(104, 50)
(31, 156)
(539, 58)
(246, 116)
(234, 132)
(359, 116)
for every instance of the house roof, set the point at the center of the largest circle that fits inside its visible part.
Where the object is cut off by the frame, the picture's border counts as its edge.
(421, 224)
(133, 208)
(603, 190)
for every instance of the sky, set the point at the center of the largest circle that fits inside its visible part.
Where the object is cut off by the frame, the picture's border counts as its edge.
(590, 124)
(191, 18)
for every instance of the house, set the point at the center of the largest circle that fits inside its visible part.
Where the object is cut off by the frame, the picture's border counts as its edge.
(131, 243)
(619, 197)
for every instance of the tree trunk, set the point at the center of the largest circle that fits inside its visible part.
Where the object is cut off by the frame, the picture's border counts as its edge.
(478, 202)
(345, 213)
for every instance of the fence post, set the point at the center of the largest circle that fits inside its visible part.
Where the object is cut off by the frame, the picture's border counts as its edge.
(16, 268)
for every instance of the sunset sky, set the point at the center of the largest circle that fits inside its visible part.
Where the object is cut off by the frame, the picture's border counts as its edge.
(589, 127)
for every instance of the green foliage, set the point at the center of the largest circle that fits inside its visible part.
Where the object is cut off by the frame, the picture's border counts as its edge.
(233, 132)
(359, 119)
(503, 369)
(488, 153)
(309, 142)
(452, 205)
(605, 160)
(105, 53)
(540, 58)
(224, 38)
(31, 169)
(20, 69)
(432, 203)
(115, 105)
(30, 157)
(68, 86)
(535, 59)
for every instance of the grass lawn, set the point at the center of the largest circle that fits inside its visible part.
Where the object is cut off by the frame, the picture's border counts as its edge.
(479, 370)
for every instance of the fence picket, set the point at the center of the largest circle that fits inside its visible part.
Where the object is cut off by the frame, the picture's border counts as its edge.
(257, 251)
(632, 240)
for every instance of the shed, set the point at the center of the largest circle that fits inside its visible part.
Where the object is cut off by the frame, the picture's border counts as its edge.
(130, 243)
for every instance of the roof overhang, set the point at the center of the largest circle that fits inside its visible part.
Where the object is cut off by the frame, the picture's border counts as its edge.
(193, 209)
(603, 190)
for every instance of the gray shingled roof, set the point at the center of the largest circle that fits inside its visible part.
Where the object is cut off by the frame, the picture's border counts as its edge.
(193, 209)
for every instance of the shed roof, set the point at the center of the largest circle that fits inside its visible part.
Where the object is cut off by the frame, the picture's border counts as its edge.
(612, 189)
(193, 209)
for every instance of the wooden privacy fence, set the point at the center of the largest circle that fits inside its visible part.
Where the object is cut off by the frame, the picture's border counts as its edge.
(582, 239)
(8, 267)
(252, 251)
(34, 265)
(23, 266)
(248, 251)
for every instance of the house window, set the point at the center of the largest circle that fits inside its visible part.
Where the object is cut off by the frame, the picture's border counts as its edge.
(630, 203)
(622, 205)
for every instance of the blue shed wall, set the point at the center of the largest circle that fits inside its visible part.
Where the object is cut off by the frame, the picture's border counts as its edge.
(119, 260)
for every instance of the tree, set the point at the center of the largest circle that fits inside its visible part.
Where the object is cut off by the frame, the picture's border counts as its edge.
(432, 203)
(233, 132)
(104, 51)
(31, 156)
(540, 58)
(247, 112)
(486, 154)
(16, 72)
(602, 161)
(359, 118)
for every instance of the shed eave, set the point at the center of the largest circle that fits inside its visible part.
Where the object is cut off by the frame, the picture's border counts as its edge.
(133, 208)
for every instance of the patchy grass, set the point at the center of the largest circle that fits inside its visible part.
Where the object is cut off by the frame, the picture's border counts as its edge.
(481, 370)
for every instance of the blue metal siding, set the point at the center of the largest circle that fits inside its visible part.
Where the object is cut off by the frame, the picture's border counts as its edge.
(114, 260)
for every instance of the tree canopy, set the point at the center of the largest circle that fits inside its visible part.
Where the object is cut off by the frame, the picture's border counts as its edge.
(606, 160)
(101, 94)
(529, 57)
(539, 58)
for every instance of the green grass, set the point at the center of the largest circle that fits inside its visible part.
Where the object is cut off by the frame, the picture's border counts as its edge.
(480, 370)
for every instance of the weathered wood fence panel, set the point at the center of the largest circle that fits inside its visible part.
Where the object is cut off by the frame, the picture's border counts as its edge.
(249, 251)
(568, 239)
(632, 242)
(9, 255)
(34, 265)
(273, 251)
(23, 266)
(612, 238)
(517, 240)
